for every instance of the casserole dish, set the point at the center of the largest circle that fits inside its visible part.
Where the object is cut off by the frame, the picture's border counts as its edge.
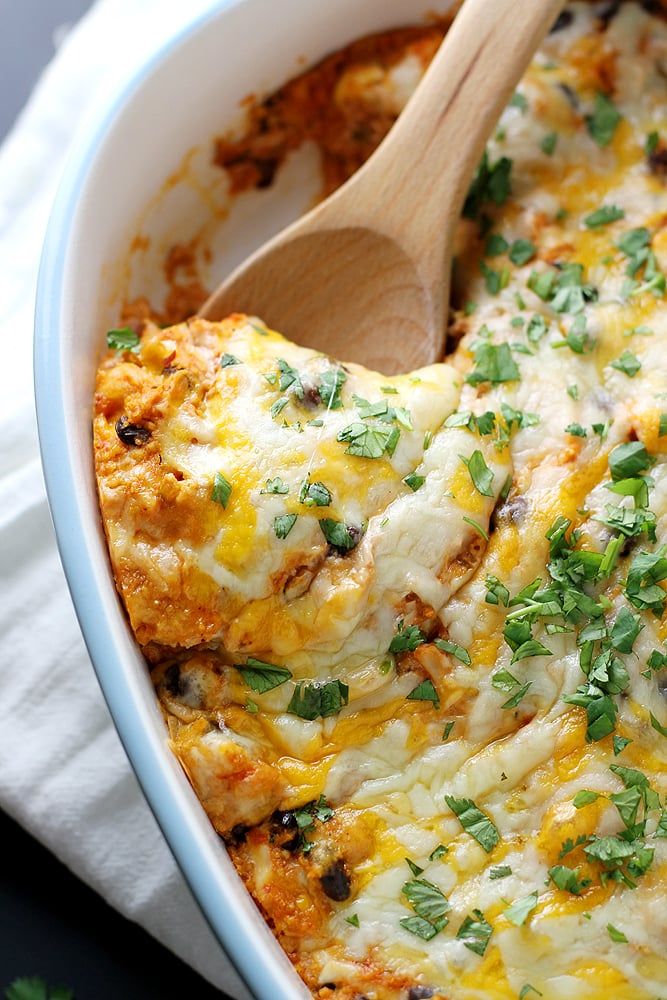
(103, 195)
(419, 587)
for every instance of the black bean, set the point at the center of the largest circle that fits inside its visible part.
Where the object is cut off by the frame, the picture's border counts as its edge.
(172, 680)
(657, 162)
(571, 95)
(336, 882)
(514, 509)
(608, 13)
(133, 434)
(266, 170)
(420, 992)
(237, 835)
(564, 20)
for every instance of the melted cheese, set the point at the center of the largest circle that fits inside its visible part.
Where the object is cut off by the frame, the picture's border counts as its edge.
(196, 573)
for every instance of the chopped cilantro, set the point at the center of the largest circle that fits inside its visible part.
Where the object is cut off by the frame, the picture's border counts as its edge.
(628, 363)
(625, 630)
(495, 245)
(494, 281)
(438, 852)
(367, 441)
(354, 920)
(626, 460)
(474, 822)
(651, 143)
(518, 912)
(603, 216)
(475, 932)
(283, 524)
(425, 691)
(314, 494)
(493, 363)
(332, 381)
(447, 732)
(576, 430)
(340, 536)
(548, 143)
(123, 339)
(35, 988)
(584, 798)
(227, 360)
(528, 988)
(620, 743)
(454, 649)
(476, 526)
(616, 935)
(519, 695)
(275, 486)
(222, 490)
(261, 676)
(603, 121)
(659, 728)
(407, 639)
(318, 700)
(490, 184)
(568, 879)
(499, 871)
(480, 473)
(522, 251)
(414, 481)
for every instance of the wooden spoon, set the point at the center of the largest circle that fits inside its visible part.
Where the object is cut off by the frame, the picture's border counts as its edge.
(365, 275)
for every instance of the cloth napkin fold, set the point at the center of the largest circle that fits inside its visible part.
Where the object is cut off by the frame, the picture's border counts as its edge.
(63, 773)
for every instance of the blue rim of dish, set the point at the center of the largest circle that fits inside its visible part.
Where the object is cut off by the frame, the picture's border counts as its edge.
(254, 965)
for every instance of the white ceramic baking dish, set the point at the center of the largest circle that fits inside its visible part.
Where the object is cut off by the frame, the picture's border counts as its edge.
(161, 126)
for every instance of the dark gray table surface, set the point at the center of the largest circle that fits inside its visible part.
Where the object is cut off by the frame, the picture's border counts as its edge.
(52, 925)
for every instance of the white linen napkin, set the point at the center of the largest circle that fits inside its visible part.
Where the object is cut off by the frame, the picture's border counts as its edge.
(63, 773)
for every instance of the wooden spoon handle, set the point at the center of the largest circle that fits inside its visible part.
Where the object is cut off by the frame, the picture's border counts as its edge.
(412, 188)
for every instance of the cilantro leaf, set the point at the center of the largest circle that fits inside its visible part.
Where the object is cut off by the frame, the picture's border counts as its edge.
(616, 935)
(499, 871)
(628, 363)
(407, 639)
(340, 536)
(474, 822)
(289, 378)
(228, 360)
(493, 363)
(603, 216)
(222, 490)
(480, 473)
(518, 912)
(275, 486)
(332, 381)
(603, 121)
(475, 932)
(626, 460)
(522, 251)
(122, 339)
(427, 900)
(625, 630)
(318, 700)
(446, 646)
(568, 879)
(425, 691)
(314, 494)
(367, 441)
(283, 524)
(260, 676)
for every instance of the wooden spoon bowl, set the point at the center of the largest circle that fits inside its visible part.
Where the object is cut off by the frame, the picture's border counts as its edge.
(365, 275)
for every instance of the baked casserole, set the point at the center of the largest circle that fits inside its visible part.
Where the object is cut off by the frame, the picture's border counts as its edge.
(408, 632)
